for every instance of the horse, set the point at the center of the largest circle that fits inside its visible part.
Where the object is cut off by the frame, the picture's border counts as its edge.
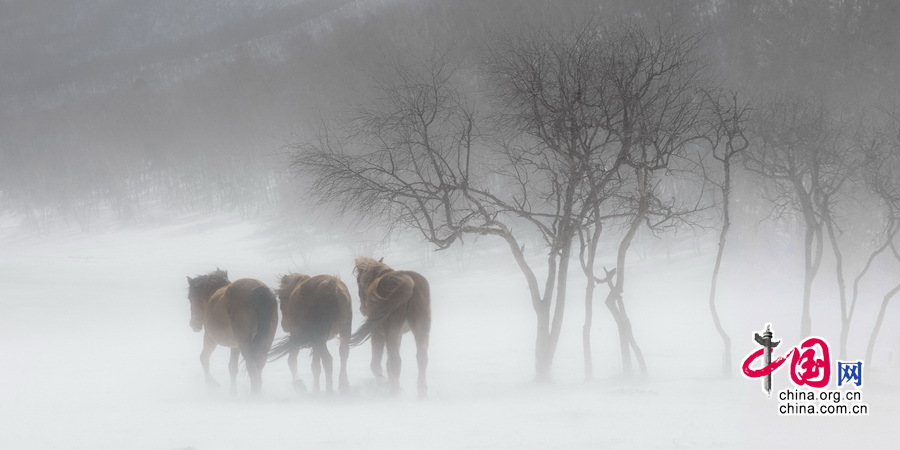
(393, 303)
(241, 315)
(314, 310)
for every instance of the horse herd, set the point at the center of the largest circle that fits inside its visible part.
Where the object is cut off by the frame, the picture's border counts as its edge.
(243, 316)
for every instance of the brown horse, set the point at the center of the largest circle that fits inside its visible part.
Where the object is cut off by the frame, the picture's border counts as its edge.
(241, 315)
(393, 302)
(314, 310)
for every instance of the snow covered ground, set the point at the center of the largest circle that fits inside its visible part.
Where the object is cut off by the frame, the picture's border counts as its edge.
(96, 352)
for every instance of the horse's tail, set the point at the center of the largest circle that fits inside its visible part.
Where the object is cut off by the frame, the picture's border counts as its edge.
(384, 296)
(290, 342)
(327, 310)
(323, 313)
(265, 304)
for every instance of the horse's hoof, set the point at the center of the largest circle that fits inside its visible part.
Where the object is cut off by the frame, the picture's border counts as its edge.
(299, 386)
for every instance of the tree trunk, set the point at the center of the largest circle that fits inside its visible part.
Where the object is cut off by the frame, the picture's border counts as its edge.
(726, 340)
(564, 240)
(617, 307)
(870, 349)
(726, 224)
(624, 328)
(812, 259)
(846, 317)
(543, 347)
(638, 354)
(548, 327)
(561, 285)
(543, 354)
(543, 358)
(586, 329)
(889, 237)
(805, 319)
(589, 239)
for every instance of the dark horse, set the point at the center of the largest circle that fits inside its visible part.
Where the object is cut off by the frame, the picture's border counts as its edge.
(241, 315)
(393, 302)
(314, 310)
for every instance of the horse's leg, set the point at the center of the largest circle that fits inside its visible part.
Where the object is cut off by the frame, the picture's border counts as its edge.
(316, 369)
(233, 368)
(292, 364)
(255, 363)
(392, 341)
(208, 346)
(377, 351)
(260, 364)
(327, 363)
(344, 351)
(254, 372)
(421, 334)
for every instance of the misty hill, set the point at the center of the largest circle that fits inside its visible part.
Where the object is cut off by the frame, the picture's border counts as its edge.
(189, 104)
(95, 95)
(95, 43)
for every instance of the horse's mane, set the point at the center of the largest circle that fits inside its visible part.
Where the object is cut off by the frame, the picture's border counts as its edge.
(288, 283)
(212, 280)
(365, 264)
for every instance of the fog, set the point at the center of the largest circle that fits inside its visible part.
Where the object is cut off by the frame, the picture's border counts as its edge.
(143, 142)
(99, 355)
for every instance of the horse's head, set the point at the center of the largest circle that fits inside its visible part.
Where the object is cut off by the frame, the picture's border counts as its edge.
(200, 289)
(287, 285)
(366, 270)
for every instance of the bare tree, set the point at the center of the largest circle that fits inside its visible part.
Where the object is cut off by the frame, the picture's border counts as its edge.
(589, 239)
(614, 105)
(584, 128)
(864, 145)
(726, 125)
(411, 160)
(655, 78)
(401, 158)
(804, 159)
(881, 174)
(550, 91)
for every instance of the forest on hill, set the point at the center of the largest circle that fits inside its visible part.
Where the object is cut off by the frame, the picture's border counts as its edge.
(129, 106)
